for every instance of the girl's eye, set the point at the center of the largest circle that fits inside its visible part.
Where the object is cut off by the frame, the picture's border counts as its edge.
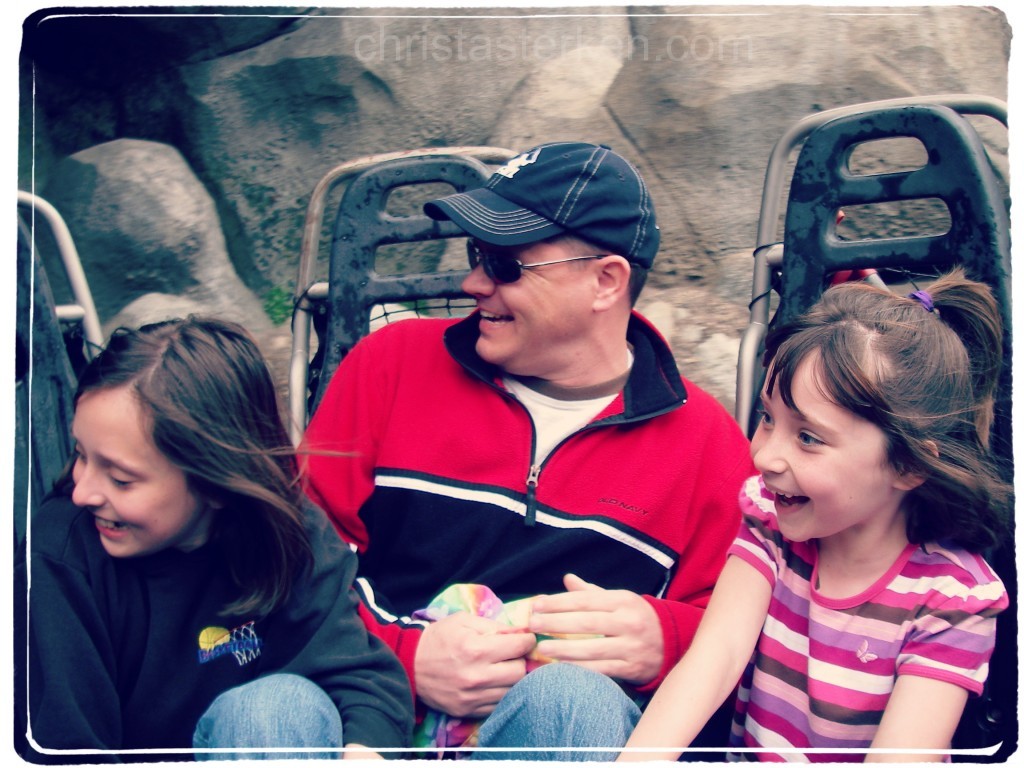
(808, 439)
(765, 418)
(120, 483)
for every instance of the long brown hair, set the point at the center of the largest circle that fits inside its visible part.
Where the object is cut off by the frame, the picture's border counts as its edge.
(215, 415)
(926, 373)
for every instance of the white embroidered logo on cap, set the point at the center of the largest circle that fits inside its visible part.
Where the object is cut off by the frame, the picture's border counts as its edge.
(512, 167)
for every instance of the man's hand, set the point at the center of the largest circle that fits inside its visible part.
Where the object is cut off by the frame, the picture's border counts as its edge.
(631, 648)
(465, 664)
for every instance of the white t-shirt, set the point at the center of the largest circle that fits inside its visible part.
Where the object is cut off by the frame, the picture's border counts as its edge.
(554, 419)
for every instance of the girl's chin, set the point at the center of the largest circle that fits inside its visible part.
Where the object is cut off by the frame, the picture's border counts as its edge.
(793, 531)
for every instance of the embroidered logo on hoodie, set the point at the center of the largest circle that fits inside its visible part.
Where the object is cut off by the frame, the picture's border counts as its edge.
(242, 642)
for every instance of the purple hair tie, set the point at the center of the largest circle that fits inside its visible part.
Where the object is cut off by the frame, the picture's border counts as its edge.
(925, 298)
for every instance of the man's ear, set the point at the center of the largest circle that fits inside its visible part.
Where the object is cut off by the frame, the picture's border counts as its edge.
(612, 281)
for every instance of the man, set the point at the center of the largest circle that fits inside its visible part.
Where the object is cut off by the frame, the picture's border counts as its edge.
(545, 445)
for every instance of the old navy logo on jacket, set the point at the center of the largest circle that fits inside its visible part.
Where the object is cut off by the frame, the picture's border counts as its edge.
(242, 642)
(513, 166)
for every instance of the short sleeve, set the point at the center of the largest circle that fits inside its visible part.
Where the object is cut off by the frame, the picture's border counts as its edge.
(953, 635)
(759, 542)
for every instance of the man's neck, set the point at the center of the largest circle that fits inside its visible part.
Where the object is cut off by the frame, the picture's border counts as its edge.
(602, 388)
(586, 392)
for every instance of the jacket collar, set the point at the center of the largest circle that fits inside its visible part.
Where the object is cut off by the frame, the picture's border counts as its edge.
(654, 385)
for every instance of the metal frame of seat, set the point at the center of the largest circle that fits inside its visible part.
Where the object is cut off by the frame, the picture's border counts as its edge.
(45, 376)
(83, 310)
(769, 247)
(343, 302)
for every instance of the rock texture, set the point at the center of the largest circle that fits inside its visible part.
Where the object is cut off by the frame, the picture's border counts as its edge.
(144, 225)
(229, 117)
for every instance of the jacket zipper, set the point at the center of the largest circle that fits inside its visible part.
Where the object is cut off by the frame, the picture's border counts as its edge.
(533, 476)
(531, 495)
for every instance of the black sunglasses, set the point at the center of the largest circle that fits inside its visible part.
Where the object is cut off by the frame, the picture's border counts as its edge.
(507, 268)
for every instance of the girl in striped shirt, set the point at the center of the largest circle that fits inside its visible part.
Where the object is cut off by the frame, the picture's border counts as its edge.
(854, 612)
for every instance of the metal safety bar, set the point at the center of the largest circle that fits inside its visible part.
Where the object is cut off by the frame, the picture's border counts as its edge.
(83, 310)
(768, 250)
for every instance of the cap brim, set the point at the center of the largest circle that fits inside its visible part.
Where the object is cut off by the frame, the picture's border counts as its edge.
(491, 218)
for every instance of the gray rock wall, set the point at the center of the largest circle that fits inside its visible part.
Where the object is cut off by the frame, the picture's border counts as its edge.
(144, 225)
(256, 105)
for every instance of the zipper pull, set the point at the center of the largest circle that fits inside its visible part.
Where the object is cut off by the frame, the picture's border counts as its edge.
(531, 495)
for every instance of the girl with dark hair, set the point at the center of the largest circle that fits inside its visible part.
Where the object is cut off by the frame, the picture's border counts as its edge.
(854, 610)
(184, 595)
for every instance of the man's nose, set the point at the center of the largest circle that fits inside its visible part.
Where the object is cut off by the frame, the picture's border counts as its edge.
(477, 282)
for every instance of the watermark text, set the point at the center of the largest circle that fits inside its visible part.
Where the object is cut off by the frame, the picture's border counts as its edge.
(459, 46)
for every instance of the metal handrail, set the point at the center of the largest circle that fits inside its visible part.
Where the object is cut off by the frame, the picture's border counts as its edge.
(768, 254)
(83, 310)
(305, 286)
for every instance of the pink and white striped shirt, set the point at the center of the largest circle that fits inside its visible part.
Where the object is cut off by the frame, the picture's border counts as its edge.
(824, 668)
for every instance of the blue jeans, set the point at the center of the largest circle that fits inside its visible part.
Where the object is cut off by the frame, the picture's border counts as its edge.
(272, 712)
(559, 708)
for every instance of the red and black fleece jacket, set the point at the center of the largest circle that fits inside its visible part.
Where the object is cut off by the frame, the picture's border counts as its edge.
(423, 461)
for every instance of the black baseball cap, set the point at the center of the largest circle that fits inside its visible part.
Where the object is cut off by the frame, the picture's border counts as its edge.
(586, 190)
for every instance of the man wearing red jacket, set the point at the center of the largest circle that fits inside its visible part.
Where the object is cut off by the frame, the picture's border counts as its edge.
(545, 445)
